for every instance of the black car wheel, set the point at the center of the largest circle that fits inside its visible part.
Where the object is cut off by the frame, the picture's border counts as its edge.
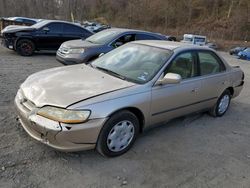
(222, 104)
(118, 134)
(25, 47)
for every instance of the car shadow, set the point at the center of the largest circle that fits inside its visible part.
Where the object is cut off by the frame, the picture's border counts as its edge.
(37, 53)
(165, 131)
(149, 132)
(45, 52)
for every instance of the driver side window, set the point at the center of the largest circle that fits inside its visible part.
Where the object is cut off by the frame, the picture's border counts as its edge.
(123, 40)
(184, 65)
(54, 28)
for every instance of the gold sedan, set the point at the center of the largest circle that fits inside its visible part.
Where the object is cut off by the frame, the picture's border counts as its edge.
(106, 104)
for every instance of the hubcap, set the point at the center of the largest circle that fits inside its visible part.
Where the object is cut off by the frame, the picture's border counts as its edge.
(120, 136)
(223, 105)
(26, 48)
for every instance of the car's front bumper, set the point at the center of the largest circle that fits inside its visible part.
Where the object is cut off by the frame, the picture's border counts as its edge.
(64, 137)
(70, 59)
(8, 42)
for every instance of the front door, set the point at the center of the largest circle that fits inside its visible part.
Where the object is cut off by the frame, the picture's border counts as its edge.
(173, 100)
(50, 36)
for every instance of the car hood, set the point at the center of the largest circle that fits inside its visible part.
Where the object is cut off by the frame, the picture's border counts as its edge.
(15, 28)
(67, 85)
(79, 44)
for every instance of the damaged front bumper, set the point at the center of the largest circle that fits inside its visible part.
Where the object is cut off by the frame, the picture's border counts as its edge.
(63, 137)
(8, 42)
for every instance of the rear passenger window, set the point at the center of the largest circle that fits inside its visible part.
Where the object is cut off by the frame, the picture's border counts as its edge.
(67, 28)
(184, 65)
(145, 37)
(209, 63)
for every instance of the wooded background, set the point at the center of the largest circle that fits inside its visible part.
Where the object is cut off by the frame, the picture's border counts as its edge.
(222, 19)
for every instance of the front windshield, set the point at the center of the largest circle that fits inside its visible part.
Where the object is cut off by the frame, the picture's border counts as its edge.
(102, 37)
(134, 62)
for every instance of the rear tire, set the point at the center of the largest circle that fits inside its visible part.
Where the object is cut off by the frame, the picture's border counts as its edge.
(221, 105)
(118, 134)
(25, 47)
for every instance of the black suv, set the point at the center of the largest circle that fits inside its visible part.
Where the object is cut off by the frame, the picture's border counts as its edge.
(45, 35)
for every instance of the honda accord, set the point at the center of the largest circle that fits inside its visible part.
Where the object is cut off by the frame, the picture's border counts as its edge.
(106, 104)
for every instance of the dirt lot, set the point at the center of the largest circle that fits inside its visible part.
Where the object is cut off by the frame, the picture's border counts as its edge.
(194, 151)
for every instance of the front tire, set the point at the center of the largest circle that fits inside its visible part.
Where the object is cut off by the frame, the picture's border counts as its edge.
(118, 134)
(222, 104)
(25, 47)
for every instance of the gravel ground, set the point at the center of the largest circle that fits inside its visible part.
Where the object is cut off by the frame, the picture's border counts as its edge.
(193, 151)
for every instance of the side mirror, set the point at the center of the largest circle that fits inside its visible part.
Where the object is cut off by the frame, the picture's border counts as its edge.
(46, 29)
(169, 78)
(101, 54)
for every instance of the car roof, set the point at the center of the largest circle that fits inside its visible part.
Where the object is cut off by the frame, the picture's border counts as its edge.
(58, 21)
(45, 22)
(123, 30)
(13, 18)
(170, 45)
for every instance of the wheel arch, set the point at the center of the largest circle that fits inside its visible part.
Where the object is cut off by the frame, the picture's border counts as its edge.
(25, 38)
(136, 111)
(231, 89)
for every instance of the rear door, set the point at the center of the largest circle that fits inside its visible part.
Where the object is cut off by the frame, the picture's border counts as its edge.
(213, 76)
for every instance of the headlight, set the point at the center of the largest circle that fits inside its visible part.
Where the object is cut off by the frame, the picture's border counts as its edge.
(76, 51)
(64, 115)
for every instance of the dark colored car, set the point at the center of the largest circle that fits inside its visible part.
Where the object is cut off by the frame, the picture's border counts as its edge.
(236, 50)
(84, 51)
(245, 54)
(45, 35)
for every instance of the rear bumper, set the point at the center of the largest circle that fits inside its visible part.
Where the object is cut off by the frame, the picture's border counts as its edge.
(238, 89)
(63, 137)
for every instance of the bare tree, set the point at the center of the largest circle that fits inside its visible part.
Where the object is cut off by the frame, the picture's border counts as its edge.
(229, 18)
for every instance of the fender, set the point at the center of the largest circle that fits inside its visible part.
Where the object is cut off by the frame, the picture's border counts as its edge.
(23, 35)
